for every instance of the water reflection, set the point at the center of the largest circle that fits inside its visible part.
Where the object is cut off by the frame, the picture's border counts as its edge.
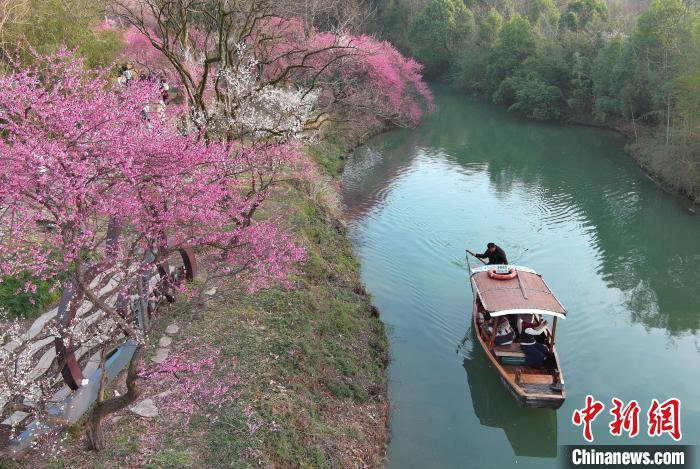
(530, 432)
(641, 242)
(367, 173)
(645, 242)
(618, 252)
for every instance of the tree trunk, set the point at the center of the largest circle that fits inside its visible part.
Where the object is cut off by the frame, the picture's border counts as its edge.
(93, 426)
(95, 435)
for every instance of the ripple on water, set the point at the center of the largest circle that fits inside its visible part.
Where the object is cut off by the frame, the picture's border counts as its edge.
(560, 200)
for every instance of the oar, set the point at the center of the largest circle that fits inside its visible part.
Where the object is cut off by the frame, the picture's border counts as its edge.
(469, 252)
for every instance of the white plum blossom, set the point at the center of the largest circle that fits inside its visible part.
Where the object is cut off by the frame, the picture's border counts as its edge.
(249, 107)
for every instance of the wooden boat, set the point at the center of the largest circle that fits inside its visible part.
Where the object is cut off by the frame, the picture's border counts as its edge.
(517, 296)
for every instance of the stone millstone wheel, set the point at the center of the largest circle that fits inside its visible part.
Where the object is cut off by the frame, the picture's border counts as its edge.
(179, 268)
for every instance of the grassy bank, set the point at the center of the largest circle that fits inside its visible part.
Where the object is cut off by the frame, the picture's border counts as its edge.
(305, 367)
(673, 174)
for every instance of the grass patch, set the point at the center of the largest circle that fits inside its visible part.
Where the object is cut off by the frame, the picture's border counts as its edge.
(330, 152)
(20, 304)
(174, 455)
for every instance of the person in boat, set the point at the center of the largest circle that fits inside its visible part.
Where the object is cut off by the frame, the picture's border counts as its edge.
(494, 254)
(504, 334)
(536, 353)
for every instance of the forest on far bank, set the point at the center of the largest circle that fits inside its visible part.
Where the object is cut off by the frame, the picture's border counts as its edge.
(626, 64)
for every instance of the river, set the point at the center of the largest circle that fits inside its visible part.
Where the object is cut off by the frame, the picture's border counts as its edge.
(620, 254)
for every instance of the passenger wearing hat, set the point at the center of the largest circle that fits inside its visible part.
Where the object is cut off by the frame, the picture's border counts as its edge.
(536, 353)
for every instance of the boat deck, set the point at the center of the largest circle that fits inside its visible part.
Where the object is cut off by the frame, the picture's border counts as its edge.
(512, 350)
(526, 291)
(529, 375)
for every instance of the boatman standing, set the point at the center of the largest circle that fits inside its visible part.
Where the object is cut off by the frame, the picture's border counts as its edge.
(494, 253)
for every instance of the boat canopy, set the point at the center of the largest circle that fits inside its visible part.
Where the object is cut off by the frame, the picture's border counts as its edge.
(527, 293)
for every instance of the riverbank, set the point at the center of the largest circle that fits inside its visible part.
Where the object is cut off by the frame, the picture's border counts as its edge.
(303, 370)
(551, 64)
(672, 175)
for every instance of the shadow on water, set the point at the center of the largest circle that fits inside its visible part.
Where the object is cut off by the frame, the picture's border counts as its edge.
(530, 432)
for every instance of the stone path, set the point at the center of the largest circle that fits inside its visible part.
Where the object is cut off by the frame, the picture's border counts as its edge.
(163, 349)
(147, 408)
(33, 349)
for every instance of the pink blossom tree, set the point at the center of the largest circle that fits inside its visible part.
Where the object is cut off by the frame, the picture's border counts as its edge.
(357, 76)
(81, 160)
(378, 82)
(78, 156)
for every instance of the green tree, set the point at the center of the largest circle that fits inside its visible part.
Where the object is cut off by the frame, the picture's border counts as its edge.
(554, 62)
(437, 33)
(544, 14)
(619, 84)
(489, 26)
(394, 18)
(537, 99)
(688, 95)
(581, 14)
(608, 79)
(580, 95)
(517, 42)
(504, 7)
(663, 40)
(469, 71)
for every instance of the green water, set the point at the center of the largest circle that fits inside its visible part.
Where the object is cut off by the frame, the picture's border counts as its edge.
(620, 254)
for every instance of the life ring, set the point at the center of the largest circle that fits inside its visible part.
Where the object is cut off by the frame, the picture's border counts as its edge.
(512, 273)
